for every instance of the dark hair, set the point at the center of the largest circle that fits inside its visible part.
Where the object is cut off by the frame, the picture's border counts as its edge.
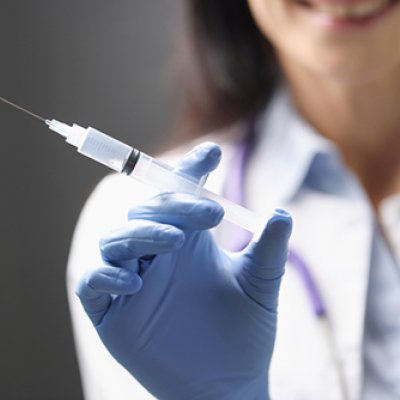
(229, 68)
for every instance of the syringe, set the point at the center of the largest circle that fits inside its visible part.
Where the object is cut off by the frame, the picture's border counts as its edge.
(129, 161)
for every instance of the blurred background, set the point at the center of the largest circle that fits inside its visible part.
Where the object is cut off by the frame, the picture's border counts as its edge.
(97, 63)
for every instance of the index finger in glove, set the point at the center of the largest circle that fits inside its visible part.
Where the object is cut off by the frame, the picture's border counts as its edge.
(200, 161)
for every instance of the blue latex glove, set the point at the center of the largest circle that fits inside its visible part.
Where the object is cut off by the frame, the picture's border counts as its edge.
(186, 318)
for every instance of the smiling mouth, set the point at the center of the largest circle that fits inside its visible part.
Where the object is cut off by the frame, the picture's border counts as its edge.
(350, 11)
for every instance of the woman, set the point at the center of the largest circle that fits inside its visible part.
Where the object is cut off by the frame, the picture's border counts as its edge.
(315, 84)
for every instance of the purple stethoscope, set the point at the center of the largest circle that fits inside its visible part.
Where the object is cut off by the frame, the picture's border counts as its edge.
(234, 191)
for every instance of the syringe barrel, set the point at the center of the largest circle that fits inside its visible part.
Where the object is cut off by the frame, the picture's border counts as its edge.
(125, 159)
(105, 149)
(163, 178)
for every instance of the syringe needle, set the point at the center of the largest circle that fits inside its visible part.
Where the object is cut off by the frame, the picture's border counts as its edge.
(23, 109)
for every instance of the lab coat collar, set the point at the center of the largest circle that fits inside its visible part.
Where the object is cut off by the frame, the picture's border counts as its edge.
(309, 158)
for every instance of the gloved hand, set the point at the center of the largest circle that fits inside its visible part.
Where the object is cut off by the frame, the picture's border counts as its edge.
(186, 318)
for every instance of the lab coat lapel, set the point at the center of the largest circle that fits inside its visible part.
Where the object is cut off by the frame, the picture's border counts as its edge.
(334, 235)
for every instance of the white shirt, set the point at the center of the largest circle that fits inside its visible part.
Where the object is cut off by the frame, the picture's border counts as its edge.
(334, 231)
(382, 326)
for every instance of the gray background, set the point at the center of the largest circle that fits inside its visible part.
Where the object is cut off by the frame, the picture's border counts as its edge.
(101, 63)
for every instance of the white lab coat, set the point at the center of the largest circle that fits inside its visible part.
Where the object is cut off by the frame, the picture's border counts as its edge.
(332, 234)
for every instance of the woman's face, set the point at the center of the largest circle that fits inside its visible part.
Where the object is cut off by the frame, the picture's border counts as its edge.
(347, 40)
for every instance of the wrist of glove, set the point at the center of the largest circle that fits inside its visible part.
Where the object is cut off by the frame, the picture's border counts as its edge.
(186, 318)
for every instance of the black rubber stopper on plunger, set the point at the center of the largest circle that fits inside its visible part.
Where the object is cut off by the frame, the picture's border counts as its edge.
(131, 162)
